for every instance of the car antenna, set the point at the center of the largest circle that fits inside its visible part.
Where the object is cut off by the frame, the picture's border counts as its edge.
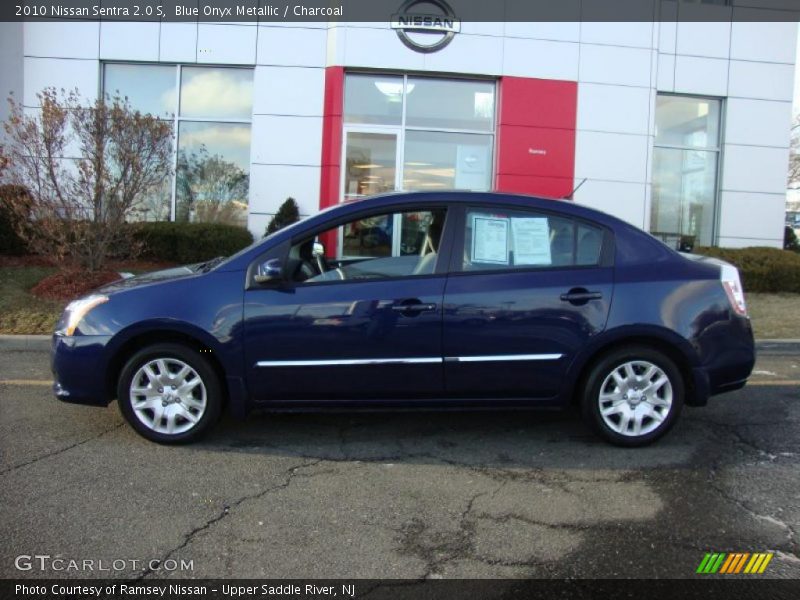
(572, 193)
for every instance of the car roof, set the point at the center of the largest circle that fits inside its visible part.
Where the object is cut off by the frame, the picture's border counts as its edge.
(491, 197)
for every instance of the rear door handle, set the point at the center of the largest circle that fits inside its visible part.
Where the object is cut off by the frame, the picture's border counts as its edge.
(580, 295)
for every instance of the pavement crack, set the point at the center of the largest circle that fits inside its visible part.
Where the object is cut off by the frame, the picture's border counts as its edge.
(64, 449)
(791, 534)
(290, 474)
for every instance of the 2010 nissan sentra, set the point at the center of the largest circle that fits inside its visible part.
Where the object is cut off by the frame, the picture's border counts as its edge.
(451, 299)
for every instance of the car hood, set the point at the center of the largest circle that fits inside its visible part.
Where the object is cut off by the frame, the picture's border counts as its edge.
(148, 278)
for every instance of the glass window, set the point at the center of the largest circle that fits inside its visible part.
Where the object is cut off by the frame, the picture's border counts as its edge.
(440, 129)
(149, 88)
(510, 239)
(213, 172)
(438, 160)
(450, 104)
(376, 99)
(211, 110)
(389, 245)
(684, 121)
(216, 93)
(370, 165)
(685, 165)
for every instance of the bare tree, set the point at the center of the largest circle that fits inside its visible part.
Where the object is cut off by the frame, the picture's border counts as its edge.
(79, 204)
(3, 161)
(794, 157)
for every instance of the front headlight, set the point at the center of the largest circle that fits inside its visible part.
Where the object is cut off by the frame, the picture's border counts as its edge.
(77, 309)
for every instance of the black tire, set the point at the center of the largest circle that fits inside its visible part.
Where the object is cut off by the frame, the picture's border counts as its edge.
(608, 364)
(209, 379)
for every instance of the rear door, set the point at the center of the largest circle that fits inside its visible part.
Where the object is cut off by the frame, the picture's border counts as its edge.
(527, 290)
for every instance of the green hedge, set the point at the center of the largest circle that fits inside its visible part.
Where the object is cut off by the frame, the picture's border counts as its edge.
(10, 242)
(190, 242)
(762, 269)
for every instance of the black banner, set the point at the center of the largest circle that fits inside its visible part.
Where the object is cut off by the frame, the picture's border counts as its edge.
(277, 11)
(701, 588)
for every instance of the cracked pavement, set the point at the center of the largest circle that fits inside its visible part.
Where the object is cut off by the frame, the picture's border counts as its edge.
(401, 495)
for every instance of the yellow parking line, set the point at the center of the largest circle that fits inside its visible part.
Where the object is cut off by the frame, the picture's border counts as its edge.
(25, 382)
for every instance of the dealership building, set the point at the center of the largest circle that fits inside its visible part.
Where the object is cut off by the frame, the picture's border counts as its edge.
(680, 127)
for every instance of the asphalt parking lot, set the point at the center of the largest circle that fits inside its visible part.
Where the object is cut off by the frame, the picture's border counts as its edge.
(399, 495)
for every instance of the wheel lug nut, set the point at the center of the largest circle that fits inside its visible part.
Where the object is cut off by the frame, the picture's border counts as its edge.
(160, 390)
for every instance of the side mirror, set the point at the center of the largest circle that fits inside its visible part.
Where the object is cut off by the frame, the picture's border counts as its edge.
(269, 271)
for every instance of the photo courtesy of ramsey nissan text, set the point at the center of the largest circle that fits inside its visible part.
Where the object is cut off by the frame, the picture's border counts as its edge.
(387, 299)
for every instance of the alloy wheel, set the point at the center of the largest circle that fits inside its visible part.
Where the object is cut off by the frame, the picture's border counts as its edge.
(168, 396)
(635, 398)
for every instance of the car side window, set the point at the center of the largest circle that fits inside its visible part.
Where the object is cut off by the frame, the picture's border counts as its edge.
(518, 239)
(403, 244)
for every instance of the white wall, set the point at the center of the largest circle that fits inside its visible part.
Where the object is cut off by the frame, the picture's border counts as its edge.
(619, 66)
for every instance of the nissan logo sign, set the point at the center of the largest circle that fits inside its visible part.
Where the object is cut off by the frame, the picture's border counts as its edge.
(414, 26)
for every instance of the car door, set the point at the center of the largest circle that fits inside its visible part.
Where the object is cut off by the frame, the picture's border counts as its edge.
(527, 290)
(364, 322)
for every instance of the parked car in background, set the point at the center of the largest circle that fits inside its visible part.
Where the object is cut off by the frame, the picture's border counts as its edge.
(508, 302)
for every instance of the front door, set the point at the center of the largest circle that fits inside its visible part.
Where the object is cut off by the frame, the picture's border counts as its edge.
(361, 322)
(528, 290)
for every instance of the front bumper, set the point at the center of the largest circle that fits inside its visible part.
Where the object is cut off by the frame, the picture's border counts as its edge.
(79, 369)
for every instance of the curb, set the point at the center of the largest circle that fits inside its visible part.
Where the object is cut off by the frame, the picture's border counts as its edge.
(41, 343)
(25, 342)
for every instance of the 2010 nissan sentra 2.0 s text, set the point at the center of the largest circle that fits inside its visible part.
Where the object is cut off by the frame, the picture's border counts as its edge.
(452, 299)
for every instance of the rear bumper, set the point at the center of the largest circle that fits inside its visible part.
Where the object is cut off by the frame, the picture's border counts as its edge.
(79, 369)
(728, 363)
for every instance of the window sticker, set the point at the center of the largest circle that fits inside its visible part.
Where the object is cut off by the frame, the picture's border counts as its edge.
(489, 240)
(531, 241)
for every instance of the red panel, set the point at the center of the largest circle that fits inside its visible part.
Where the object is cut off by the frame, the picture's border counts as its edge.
(536, 136)
(334, 88)
(536, 151)
(331, 137)
(554, 187)
(538, 102)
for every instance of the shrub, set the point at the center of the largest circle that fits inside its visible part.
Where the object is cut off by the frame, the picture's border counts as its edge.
(790, 241)
(190, 242)
(10, 240)
(762, 269)
(287, 214)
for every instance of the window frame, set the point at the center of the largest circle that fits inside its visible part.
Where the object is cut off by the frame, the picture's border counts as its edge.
(456, 266)
(718, 150)
(176, 117)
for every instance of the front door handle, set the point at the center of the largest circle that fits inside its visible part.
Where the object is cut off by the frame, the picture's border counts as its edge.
(580, 296)
(414, 306)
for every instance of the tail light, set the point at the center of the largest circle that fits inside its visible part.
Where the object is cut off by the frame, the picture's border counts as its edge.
(729, 275)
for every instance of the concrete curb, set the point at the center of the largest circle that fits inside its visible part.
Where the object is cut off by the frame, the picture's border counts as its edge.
(25, 342)
(39, 343)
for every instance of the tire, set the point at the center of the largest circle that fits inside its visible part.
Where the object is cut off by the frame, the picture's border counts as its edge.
(640, 418)
(173, 407)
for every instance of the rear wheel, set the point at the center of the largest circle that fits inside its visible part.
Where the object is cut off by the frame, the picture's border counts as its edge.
(169, 393)
(633, 395)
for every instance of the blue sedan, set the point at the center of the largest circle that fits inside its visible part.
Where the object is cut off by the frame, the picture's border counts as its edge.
(452, 300)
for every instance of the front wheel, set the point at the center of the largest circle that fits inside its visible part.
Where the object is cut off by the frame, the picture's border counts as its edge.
(169, 393)
(633, 396)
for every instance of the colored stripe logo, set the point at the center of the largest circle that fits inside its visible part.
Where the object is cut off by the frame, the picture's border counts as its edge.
(734, 563)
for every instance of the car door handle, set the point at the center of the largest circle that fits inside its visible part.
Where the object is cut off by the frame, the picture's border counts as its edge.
(414, 307)
(580, 295)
